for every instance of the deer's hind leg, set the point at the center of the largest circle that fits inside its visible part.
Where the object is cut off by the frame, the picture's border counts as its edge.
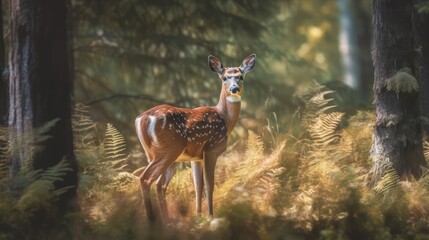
(157, 166)
(161, 189)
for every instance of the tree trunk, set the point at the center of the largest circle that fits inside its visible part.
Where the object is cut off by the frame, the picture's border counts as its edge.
(364, 35)
(397, 139)
(4, 86)
(421, 34)
(348, 43)
(40, 86)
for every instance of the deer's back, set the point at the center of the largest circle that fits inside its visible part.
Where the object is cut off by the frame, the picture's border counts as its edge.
(194, 130)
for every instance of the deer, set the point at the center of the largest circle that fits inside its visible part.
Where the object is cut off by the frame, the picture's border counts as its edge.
(171, 134)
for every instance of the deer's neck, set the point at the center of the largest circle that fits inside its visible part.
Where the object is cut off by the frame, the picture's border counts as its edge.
(230, 109)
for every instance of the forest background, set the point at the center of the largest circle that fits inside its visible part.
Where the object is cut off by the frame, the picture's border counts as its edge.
(298, 163)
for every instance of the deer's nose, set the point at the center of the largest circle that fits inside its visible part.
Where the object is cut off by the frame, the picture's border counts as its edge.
(234, 89)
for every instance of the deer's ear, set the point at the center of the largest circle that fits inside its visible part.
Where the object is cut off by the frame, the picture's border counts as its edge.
(248, 63)
(215, 64)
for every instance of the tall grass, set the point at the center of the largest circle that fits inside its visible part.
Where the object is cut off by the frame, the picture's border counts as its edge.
(309, 182)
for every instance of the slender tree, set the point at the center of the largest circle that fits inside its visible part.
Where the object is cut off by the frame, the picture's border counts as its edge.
(354, 43)
(348, 43)
(397, 139)
(421, 33)
(41, 85)
(3, 79)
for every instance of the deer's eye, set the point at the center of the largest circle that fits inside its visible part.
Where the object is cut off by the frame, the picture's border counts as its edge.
(241, 77)
(224, 78)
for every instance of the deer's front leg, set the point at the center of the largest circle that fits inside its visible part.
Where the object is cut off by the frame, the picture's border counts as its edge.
(210, 159)
(197, 172)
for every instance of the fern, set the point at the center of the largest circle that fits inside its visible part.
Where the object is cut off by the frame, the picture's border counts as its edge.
(388, 184)
(315, 106)
(267, 187)
(323, 130)
(106, 165)
(56, 172)
(40, 190)
(4, 153)
(424, 180)
(426, 150)
(105, 186)
(30, 190)
(256, 177)
(114, 147)
(84, 128)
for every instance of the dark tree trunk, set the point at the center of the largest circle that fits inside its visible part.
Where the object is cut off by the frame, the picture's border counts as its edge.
(41, 85)
(421, 34)
(364, 35)
(4, 86)
(397, 139)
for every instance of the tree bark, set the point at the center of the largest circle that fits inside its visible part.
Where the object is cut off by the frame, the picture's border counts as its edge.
(397, 139)
(41, 86)
(421, 34)
(4, 86)
(364, 35)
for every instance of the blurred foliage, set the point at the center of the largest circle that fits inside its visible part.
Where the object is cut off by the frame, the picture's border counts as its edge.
(131, 55)
(422, 7)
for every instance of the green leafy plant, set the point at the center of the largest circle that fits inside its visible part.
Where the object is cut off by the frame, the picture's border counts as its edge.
(30, 193)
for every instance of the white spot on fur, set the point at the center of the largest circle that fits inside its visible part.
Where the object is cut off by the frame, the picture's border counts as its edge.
(139, 129)
(164, 118)
(151, 128)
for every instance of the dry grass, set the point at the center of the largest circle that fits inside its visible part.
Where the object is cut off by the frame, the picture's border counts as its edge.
(309, 185)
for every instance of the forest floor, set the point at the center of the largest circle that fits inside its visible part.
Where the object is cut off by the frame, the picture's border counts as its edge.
(309, 180)
(283, 183)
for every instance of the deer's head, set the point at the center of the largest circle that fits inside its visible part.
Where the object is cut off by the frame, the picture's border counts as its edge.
(232, 77)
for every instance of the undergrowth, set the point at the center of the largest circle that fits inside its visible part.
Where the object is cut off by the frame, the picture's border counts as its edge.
(29, 196)
(304, 178)
(307, 182)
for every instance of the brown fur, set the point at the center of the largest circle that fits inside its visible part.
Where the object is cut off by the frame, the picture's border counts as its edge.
(169, 134)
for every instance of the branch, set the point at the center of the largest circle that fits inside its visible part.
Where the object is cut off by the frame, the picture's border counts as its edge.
(143, 97)
(123, 95)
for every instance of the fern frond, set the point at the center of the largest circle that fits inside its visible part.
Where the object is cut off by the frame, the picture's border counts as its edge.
(36, 188)
(114, 144)
(426, 150)
(253, 169)
(42, 133)
(316, 106)
(56, 172)
(424, 180)
(4, 153)
(269, 183)
(323, 130)
(84, 128)
(389, 182)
